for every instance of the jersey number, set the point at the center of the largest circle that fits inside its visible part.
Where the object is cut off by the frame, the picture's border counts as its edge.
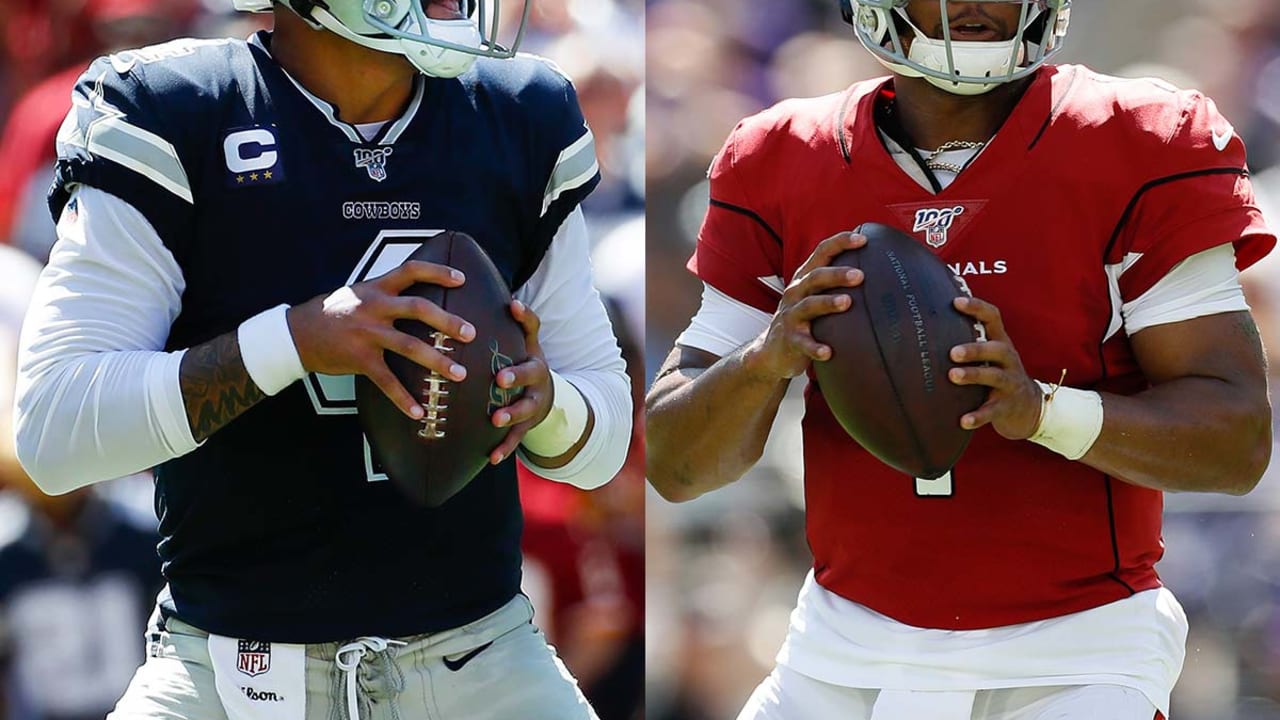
(336, 394)
(73, 644)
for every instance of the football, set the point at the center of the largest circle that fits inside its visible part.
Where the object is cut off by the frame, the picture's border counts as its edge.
(886, 381)
(433, 458)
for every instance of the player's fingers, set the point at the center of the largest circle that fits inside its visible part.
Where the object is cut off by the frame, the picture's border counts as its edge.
(985, 312)
(509, 443)
(816, 306)
(530, 372)
(828, 249)
(530, 323)
(423, 310)
(417, 271)
(821, 279)
(801, 339)
(420, 353)
(528, 319)
(390, 386)
(993, 377)
(526, 408)
(979, 417)
(993, 351)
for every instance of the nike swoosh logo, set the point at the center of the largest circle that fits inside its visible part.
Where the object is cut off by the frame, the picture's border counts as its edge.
(456, 665)
(1222, 141)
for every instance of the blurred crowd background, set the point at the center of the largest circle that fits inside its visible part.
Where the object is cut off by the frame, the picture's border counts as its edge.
(79, 573)
(723, 571)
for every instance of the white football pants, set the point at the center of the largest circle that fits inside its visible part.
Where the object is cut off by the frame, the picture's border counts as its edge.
(518, 675)
(788, 695)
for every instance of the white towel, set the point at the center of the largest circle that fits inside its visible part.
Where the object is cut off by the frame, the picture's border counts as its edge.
(923, 705)
(259, 680)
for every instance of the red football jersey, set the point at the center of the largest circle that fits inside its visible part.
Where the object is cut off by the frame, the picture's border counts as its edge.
(1094, 188)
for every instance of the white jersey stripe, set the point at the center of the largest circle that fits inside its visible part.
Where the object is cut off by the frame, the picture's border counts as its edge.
(575, 166)
(143, 152)
(420, 91)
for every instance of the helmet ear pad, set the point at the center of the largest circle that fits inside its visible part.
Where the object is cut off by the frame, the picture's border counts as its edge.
(352, 13)
(877, 23)
(871, 20)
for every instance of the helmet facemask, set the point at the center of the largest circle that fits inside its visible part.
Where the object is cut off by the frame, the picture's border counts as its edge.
(959, 67)
(440, 48)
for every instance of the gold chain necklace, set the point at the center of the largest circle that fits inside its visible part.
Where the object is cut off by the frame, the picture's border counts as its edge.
(933, 163)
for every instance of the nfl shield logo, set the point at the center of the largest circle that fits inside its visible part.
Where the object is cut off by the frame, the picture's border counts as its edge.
(374, 160)
(254, 657)
(935, 222)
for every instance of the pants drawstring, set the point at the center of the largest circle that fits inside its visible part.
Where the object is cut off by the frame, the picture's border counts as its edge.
(348, 660)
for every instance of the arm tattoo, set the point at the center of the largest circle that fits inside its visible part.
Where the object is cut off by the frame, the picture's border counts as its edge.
(1249, 329)
(216, 387)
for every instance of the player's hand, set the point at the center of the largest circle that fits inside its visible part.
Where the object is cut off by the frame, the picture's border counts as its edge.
(347, 331)
(533, 376)
(787, 348)
(1013, 407)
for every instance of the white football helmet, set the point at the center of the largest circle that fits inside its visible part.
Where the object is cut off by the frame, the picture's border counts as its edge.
(963, 68)
(441, 48)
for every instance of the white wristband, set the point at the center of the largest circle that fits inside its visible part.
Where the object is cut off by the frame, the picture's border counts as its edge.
(563, 426)
(1070, 420)
(267, 348)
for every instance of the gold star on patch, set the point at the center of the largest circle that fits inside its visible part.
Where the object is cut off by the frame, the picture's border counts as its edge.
(266, 175)
(253, 177)
(240, 178)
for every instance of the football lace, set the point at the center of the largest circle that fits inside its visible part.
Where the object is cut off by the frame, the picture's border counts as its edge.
(435, 394)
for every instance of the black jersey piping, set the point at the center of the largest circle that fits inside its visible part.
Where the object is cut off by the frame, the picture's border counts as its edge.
(747, 213)
(1107, 483)
(1075, 75)
(1106, 479)
(1133, 204)
(887, 120)
(1115, 541)
(841, 137)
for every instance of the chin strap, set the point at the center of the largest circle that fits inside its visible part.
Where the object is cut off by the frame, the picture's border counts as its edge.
(255, 6)
(305, 9)
(956, 66)
(995, 59)
(429, 59)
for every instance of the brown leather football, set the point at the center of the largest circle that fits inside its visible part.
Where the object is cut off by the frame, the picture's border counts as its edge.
(886, 382)
(433, 458)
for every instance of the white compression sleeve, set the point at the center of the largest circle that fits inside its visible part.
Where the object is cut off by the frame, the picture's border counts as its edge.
(723, 324)
(579, 345)
(1206, 283)
(97, 397)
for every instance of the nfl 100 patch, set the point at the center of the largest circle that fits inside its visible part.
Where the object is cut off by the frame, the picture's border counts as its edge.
(937, 224)
(373, 160)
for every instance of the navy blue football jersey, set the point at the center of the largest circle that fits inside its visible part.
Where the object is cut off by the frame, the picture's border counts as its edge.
(281, 526)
